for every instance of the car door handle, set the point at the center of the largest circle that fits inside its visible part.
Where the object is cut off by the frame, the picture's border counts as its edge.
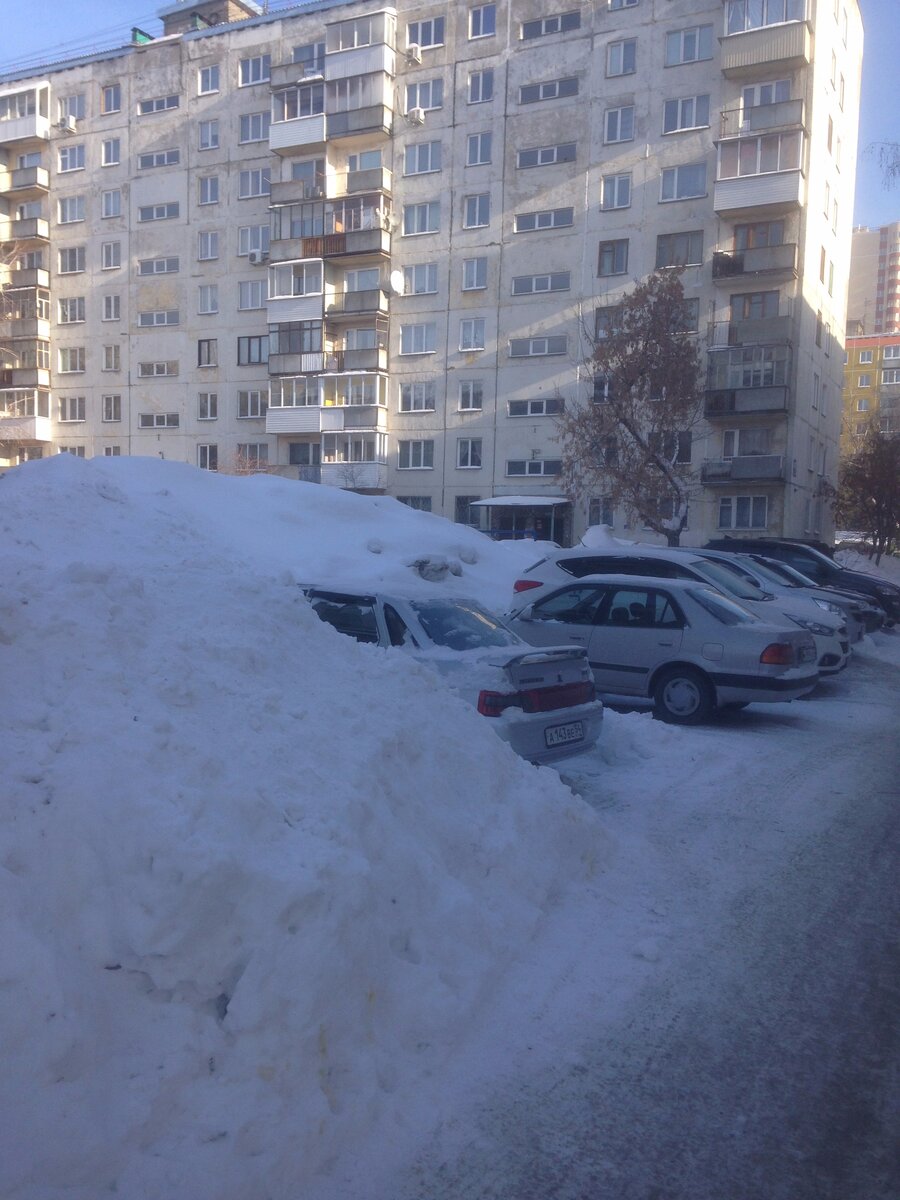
(668, 642)
(577, 637)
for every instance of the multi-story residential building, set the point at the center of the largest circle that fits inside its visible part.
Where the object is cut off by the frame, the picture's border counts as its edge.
(871, 386)
(873, 301)
(370, 246)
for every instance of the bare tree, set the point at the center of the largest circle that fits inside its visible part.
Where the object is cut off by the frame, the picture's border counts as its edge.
(633, 442)
(868, 493)
(889, 161)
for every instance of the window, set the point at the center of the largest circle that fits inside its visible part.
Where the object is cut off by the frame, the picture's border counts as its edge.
(208, 189)
(254, 70)
(112, 358)
(417, 339)
(71, 158)
(112, 308)
(763, 233)
(415, 455)
(468, 453)
(252, 294)
(545, 156)
(303, 278)
(427, 95)
(208, 135)
(71, 408)
(208, 80)
(253, 127)
(760, 155)
(865, 356)
(527, 285)
(208, 457)
(689, 45)
(417, 397)
(419, 503)
(253, 237)
(252, 351)
(156, 317)
(311, 56)
(158, 212)
(553, 218)
(614, 6)
(155, 370)
(110, 152)
(253, 183)
(207, 406)
(71, 310)
(77, 451)
(111, 408)
(478, 149)
(483, 21)
(534, 466)
(71, 260)
(157, 420)
(157, 266)
(71, 360)
(477, 211)
(111, 98)
(550, 406)
(159, 158)
(552, 89)
(544, 26)
(743, 512)
(754, 14)
(157, 104)
(691, 112)
(471, 395)
(252, 403)
(890, 352)
(618, 124)
(474, 274)
(481, 86)
(863, 381)
(305, 337)
(471, 333)
(422, 158)
(421, 218)
(616, 192)
(208, 298)
(606, 322)
(621, 57)
(111, 203)
(420, 280)
(536, 347)
(253, 456)
(890, 375)
(110, 256)
(683, 183)
(425, 33)
(613, 258)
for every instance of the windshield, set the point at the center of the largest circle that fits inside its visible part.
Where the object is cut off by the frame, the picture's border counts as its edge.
(727, 580)
(729, 612)
(461, 625)
(793, 575)
(773, 574)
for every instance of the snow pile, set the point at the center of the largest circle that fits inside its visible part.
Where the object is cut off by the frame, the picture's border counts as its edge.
(255, 879)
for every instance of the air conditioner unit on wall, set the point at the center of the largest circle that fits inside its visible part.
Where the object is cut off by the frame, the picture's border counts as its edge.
(257, 257)
(67, 124)
(414, 53)
(416, 116)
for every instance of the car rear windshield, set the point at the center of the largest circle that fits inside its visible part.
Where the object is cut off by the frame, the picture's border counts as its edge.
(730, 581)
(729, 612)
(461, 625)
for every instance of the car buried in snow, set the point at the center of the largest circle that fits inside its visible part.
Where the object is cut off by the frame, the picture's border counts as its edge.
(542, 702)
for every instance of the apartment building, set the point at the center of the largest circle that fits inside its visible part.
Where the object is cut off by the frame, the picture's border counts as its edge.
(871, 386)
(370, 247)
(873, 301)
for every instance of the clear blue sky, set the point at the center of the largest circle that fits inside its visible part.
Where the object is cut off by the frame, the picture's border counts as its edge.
(48, 29)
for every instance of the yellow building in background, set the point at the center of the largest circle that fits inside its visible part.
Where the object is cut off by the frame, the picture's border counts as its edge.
(871, 386)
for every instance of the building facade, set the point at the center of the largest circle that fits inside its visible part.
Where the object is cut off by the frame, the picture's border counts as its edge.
(370, 247)
(871, 386)
(873, 300)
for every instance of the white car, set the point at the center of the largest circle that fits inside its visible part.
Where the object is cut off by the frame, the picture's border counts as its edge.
(680, 643)
(664, 562)
(543, 703)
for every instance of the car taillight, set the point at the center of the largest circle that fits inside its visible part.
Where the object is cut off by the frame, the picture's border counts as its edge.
(566, 695)
(492, 704)
(779, 654)
(525, 585)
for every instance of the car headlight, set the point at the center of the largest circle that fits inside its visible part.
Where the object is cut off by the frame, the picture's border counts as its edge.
(828, 606)
(814, 627)
(891, 593)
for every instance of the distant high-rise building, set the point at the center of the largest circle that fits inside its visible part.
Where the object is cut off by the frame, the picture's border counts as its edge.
(873, 302)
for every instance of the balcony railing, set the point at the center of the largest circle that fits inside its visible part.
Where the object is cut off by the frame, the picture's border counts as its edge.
(28, 229)
(746, 467)
(750, 331)
(375, 118)
(369, 300)
(749, 401)
(761, 118)
(24, 182)
(778, 191)
(300, 134)
(758, 260)
(367, 476)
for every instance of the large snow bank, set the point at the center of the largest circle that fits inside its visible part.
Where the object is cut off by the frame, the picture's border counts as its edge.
(254, 877)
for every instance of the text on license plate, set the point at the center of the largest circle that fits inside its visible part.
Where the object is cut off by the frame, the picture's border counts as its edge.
(562, 735)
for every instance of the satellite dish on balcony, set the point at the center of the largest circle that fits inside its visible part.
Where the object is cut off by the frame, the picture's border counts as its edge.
(397, 283)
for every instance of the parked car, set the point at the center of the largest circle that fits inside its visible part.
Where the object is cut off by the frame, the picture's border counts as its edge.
(864, 609)
(543, 703)
(819, 568)
(666, 562)
(676, 641)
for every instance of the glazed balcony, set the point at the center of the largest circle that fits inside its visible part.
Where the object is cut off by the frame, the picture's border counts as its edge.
(34, 127)
(25, 416)
(777, 192)
(373, 119)
(753, 53)
(761, 118)
(24, 327)
(773, 262)
(360, 60)
(745, 468)
(27, 377)
(300, 134)
(327, 418)
(728, 403)
(365, 476)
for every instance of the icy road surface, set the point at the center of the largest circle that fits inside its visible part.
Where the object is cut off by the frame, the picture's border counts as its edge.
(720, 1022)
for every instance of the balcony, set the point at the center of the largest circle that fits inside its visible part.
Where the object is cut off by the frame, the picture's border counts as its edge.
(312, 362)
(348, 245)
(376, 179)
(303, 133)
(281, 310)
(30, 128)
(746, 468)
(774, 262)
(353, 304)
(375, 118)
(335, 418)
(360, 60)
(31, 229)
(292, 74)
(294, 191)
(24, 327)
(736, 402)
(299, 419)
(755, 52)
(761, 118)
(776, 191)
(25, 377)
(339, 361)
(25, 430)
(358, 476)
(25, 183)
(761, 331)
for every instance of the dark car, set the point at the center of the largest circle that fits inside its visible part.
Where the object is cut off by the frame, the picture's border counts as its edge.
(818, 567)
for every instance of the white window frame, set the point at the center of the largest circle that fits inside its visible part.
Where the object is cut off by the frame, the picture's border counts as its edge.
(550, 218)
(479, 148)
(471, 395)
(425, 34)
(469, 453)
(480, 86)
(110, 256)
(692, 44)
(482, 21)
(255, 69)
(415, 454)
(417, 396)
(111, 408)
(157, 104)
(418, 338)
(621, 58)
(751, 503)
(208, 79)
(208, 135)
(207, 406)
(670, 180)
(420, 279)
(421, 214)
(610, 188)
(207, 298)
(71, 158)
(538, 347)
(472, 332)
(474, 274)
(477, 211)
(110, 152)
(614, 117)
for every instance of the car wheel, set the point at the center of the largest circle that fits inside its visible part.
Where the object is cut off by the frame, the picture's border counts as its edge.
(683, 696)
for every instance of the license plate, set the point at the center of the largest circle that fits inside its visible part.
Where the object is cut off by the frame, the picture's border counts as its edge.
(563, 735)
(807, 652)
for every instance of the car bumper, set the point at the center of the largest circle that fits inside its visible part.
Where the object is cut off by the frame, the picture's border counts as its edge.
(764, 689)
(526, 733)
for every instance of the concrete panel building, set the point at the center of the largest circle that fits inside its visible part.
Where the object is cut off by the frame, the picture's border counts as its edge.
(873, 301)
(369, 246)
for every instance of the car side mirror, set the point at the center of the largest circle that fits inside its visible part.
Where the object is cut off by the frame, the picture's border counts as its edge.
(526, 614)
